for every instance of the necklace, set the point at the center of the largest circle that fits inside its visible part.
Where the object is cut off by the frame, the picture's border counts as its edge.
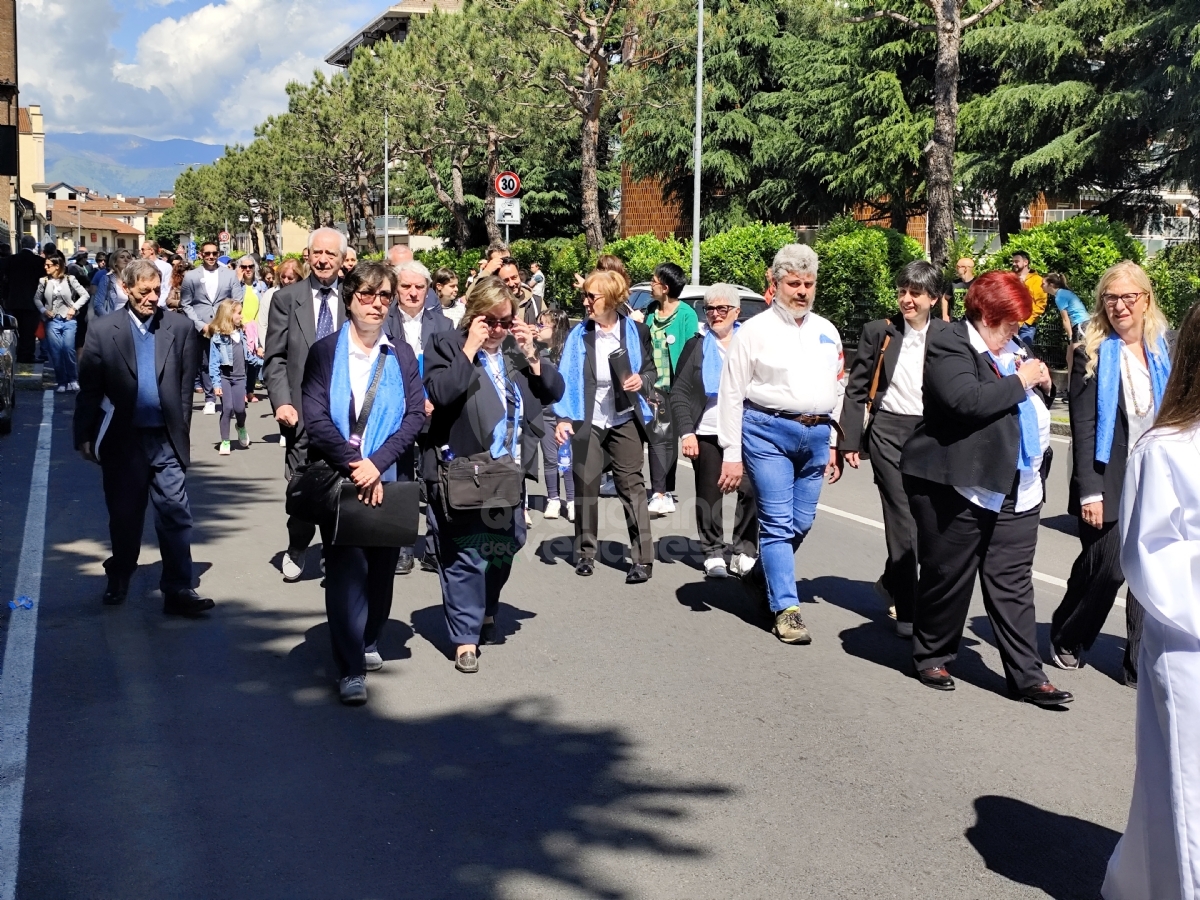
(1138, 410)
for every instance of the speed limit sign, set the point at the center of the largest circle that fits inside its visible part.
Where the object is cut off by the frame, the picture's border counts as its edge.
(508, 184)
(223, 237)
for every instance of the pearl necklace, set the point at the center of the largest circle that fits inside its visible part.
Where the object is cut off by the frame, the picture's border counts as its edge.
(1138, 410)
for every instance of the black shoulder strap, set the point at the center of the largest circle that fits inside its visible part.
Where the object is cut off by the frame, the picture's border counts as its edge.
(360, 425)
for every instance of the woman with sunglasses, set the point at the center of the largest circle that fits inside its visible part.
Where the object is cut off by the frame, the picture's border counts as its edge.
(603, 414)
(488, 385)
(338, 374)
(1118, 375)
(694, 410)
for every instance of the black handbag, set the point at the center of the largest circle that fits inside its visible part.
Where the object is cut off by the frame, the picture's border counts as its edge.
(480, 482)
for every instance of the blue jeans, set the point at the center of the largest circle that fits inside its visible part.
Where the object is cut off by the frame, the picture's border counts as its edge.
(786, 464)
(60, 343)
(1027, 333)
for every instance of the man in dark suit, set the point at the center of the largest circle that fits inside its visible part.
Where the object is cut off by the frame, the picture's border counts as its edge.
(300, 315)
(411, 321)
(24, 271)
(133, 415)
(202, 290)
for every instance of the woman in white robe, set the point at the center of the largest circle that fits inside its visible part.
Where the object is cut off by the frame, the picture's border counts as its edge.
(1158, 858)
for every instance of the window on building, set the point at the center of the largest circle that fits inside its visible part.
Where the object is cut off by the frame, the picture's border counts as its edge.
(120, 243)
(72, 196)
(104, 243)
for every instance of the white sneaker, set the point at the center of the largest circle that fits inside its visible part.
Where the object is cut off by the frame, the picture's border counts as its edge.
(668, 504)
(61, 389)
(372, 661)
(715, 568)
(210, 408)
(741, 564)
(292, 570)
(655, 506)
(73, 387)
(528, 519)
(570, 510)
(553, 509)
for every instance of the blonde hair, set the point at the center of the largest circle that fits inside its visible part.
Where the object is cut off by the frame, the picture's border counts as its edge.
(1097, 330)
(222, 320)
(609, 285)
(485, 295)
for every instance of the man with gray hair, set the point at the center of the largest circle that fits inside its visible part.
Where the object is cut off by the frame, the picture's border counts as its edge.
(300, 315)
(399, 254)
(778, 407)
(133, 416)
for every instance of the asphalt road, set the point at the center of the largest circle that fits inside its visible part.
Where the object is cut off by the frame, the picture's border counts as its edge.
(640, 742)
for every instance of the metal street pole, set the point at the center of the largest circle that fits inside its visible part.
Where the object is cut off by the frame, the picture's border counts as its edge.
(387, 207)
(698, 142)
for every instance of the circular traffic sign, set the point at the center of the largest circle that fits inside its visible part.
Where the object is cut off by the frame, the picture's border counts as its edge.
(508, 184)
(223, 236)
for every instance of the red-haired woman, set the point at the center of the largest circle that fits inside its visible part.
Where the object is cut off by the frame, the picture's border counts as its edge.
(972, 471)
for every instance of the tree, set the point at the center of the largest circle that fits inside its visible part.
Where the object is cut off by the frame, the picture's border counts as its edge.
(166, 231)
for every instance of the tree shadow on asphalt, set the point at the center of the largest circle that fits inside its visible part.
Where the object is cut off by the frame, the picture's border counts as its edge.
(430, 623)
(1062, 856)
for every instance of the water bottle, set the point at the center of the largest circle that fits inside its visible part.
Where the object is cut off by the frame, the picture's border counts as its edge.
(447, 453)
(564, 459)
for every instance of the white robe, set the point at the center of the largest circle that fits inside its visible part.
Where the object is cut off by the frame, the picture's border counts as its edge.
(1158, 858)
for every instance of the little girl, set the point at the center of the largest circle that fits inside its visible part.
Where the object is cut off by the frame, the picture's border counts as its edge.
(227, 358)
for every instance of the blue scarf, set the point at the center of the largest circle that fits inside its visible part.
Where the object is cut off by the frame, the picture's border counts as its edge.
(571, 367)
(503, 384)
(388, 410)
(1031, 440)
(712, 362)
(1108, 386)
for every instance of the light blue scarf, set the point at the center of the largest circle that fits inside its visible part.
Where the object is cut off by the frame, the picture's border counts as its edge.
(500, 444)
(1108, 387)
(571, 366)
(389, 407)
(712, 362)
(1030, 447)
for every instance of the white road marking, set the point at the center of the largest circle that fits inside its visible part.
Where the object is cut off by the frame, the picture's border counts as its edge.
(16, 679)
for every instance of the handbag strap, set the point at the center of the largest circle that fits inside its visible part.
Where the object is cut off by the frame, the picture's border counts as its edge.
(360, 424)
(887, 339)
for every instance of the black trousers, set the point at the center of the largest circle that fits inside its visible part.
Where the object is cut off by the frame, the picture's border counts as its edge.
(1091, 591)
(885, 441)
(300, 532)
(148, 472)
(27, 324)
(358, 600)
(957, 540)
(623, 447)
(710, 517)
(664, 455)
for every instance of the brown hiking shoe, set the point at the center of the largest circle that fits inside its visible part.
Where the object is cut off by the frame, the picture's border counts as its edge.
(790, 628)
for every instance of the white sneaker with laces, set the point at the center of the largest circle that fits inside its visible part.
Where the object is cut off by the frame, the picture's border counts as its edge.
(741, 564)
(292, 570)
(73, 387)
(655, 506)
(715, 568)
(570, 510)
(61, 389)
(553, 509)
(668, 504)
(210, 408)
(372, 661)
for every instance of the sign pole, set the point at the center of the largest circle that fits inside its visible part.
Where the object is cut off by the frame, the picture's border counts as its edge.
(506, 233)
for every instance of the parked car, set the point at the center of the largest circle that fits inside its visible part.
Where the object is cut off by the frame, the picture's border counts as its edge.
(8, 370)
(752, 302)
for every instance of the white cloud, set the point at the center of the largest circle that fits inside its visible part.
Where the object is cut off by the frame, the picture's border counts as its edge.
(211, 74)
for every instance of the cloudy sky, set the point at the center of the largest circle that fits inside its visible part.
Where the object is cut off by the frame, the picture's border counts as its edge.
(207, 70)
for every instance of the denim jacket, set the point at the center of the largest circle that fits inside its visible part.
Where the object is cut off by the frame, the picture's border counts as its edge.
(221, 350)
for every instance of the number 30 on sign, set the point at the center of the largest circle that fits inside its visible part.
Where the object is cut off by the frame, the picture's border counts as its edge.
(508, 184)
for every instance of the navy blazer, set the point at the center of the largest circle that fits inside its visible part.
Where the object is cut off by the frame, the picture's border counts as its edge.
(326, 442)
(433, 321)
(466, 407)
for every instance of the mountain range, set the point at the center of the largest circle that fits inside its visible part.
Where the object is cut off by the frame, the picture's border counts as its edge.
(122, 163)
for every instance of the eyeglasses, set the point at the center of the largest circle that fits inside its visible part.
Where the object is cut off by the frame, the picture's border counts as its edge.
(373, 298)
(1127, 299)
(494, 323)
(719, 310)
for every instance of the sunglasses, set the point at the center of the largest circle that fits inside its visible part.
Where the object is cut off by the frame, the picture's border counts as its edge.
(247, 268)
(588, 295)
(718, 310)
(493, 323)
(373, 298)
(209, 253)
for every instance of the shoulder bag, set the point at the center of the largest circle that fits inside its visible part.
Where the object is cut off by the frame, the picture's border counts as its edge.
(319, 494)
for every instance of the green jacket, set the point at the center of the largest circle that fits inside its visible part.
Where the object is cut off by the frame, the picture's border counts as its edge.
(668, 339)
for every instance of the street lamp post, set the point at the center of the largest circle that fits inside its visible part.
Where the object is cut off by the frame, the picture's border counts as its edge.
(698, 141)
(387, 199)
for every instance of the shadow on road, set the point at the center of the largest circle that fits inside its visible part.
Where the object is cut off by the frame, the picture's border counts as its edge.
(1040, 848)
(430, 623)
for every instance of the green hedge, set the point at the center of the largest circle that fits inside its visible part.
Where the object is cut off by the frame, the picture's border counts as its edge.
(1176, 275)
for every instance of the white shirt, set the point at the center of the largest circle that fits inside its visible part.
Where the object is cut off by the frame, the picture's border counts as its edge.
(334, 293)
(412, 331)
(903, 397)
(1029, 490)
(210, 281)
(604, 407)
(362, 367)
(454, 312)
(1139, 392)
(784, 364)
(143, 327)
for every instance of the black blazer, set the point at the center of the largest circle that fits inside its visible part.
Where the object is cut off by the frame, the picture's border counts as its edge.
(326, 442)
(648, 372)
(466, 406)
(862, 370)
(971, 432)
(108, 368)
(291, 332)
(433, 321)
(687, 392)
(23, 271)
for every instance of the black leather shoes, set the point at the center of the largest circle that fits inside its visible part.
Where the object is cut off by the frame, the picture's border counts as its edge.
(937, 678)
(487, 633)
(186, 603)
(116, 592)
(404, 562)
(639, 574)
(585, 567)
(1045, 694)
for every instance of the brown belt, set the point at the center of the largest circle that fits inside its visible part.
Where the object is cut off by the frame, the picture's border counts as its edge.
(809, 420)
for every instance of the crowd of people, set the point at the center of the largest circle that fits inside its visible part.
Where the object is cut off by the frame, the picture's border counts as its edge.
(382, 373)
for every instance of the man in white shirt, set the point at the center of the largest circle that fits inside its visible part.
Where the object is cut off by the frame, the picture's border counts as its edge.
(777, 410)
(886, 380)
